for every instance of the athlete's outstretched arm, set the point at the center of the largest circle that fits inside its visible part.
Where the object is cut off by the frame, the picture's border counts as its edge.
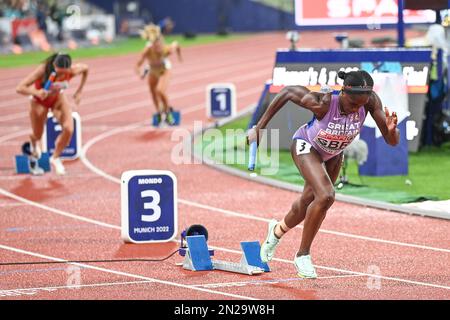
(26, 87)
(386, 122)
(83, 69)
(297, 94)
(141, 60)
(175, 46)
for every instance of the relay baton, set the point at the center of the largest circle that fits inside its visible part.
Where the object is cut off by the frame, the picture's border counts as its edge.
(252, 158)
(50, 81)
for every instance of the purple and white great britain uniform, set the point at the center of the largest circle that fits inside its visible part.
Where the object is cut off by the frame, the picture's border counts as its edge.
(330, 135)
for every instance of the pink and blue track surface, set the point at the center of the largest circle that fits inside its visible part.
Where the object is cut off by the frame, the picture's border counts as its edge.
(360, 252)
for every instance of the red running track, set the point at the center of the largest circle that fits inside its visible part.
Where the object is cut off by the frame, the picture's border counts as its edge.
(360, 253)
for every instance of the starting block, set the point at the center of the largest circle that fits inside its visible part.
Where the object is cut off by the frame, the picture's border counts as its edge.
(24, 161)
(176, 116)
(198, 258)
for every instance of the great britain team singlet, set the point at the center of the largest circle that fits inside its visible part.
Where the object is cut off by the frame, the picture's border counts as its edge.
(330, 135)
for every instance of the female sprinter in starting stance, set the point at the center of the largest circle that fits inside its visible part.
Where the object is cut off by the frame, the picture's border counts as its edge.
(317, 152)
(156, 53)
(60, 67)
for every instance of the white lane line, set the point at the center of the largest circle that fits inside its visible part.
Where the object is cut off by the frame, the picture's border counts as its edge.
(240, 253)
(57, 211)
(98, 171)
(336, 233)
(372, 275)
(13, 135)
(100, 74)
(126, 274)
(5, 205)
(107, 134)
(33, 291)
(188, 68)
(248, 216)
(209, 208)
(141, 89)
(267, 282)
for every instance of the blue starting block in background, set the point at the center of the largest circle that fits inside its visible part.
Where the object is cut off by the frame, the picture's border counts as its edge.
(176, 116)
(23, 162)
(198, 258)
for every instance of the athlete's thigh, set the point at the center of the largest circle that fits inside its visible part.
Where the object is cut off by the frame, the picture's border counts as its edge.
(312, 168)
(38, 117)
(164, 81)
(153, 82)
(63, 112)
(333, 166)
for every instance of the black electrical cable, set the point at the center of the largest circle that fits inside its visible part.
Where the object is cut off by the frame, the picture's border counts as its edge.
(87, 261)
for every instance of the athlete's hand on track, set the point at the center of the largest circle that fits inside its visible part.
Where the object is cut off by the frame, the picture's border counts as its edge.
(391, 120)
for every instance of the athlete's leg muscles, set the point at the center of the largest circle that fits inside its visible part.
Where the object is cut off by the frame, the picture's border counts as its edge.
(153, 84)
(316, 176)
(38, 117)
(162, 90)
(63, 113)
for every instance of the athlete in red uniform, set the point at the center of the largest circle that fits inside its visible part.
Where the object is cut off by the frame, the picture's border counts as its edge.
(53, 99)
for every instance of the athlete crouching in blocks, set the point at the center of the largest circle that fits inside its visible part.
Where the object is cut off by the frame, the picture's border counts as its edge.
(46, 87)
(317, 151)
(157, 54)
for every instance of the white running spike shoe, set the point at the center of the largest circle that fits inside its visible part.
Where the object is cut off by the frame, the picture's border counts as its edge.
(305, 267)
(57, 164)
(269, 245)
(35, 170)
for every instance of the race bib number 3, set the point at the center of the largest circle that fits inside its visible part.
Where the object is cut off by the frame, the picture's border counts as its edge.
(302, 147)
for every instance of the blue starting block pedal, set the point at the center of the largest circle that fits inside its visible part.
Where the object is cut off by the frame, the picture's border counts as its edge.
(175, 114)
(24, 161)
(198, 258)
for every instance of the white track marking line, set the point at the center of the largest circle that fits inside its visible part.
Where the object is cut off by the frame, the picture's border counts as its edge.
(237, 214)
(126, 274)
(5, 292)
(106, 73)
(268, 282)
(5, 205)
(248, 216)
(57, 211)
(348, 271)
(107, 134)
(14, 135)
(240, 253)
(206, 207)
(226, 212)
(342, 234)
(137, 90)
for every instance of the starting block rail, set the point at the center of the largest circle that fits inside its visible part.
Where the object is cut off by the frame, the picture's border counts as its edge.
(197, 257)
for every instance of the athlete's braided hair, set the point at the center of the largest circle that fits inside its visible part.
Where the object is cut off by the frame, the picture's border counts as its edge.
(356, 82)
